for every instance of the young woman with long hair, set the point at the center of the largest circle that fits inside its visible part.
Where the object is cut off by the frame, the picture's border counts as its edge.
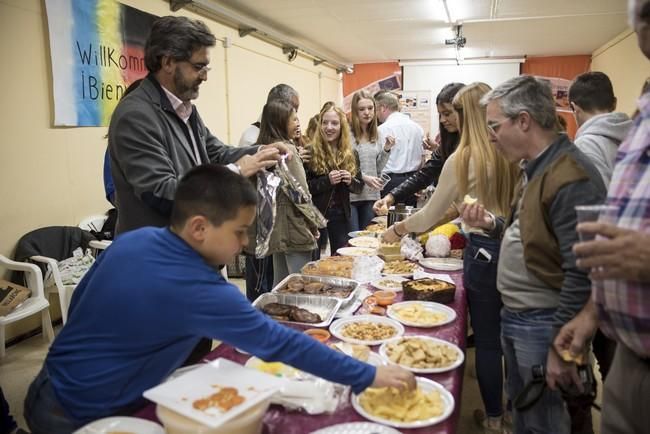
(477, 169)
(430, 172)
(333, 173)
(372, 156)
(293, 237)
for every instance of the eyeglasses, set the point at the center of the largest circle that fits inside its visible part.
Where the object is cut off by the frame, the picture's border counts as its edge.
(201, 68)
(494, 127)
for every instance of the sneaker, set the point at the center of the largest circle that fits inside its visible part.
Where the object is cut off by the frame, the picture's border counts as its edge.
(490, 425)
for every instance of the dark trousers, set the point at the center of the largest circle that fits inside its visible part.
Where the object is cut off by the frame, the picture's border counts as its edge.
(338, 227)
(361, 214)
(484, 301)
(259, 276)
(7, 422)
(580, 411)
(395, 180)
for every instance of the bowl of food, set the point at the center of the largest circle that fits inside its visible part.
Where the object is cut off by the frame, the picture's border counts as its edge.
(319, 334)
(385, 298)
(428, 404)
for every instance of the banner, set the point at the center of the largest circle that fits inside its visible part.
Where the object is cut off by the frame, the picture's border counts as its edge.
(97, 50)
(391, 82)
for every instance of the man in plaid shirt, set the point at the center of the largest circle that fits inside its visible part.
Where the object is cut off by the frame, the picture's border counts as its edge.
(619, 261)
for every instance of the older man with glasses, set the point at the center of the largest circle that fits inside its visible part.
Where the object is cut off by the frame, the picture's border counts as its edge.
(538, 279)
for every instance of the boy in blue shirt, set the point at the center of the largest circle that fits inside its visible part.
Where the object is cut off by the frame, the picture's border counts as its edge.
(146, 302)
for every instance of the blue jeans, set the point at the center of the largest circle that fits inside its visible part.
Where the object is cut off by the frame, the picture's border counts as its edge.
(361, 214)
(43, 412)
(338, 228)
(484, 300)
(526, 337)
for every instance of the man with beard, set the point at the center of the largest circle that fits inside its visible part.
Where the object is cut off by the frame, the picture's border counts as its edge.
(156, 135)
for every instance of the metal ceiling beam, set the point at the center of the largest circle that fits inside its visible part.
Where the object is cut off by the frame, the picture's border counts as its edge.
(216, 11)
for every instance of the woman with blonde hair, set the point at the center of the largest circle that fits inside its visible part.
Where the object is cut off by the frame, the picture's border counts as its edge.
(333, 173)
(478, 170)
(372, 156)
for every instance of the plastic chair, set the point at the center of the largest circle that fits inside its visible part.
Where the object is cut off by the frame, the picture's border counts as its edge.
(93, 223)
(34, 304)
(47, 246)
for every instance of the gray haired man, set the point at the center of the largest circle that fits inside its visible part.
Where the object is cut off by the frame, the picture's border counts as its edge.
(539, 282)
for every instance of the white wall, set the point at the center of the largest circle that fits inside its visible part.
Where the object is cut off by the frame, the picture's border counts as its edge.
(432, 76)
(626, 67)
(53, 176)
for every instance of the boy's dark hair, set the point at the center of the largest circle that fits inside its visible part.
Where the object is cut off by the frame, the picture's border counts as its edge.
(212, 191)
(273, 125)
(593, 91)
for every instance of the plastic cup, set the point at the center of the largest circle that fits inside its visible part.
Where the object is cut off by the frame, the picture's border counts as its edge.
(385, 179)
(594, 213)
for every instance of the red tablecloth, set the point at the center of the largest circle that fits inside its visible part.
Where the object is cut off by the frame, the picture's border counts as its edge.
(280, 421)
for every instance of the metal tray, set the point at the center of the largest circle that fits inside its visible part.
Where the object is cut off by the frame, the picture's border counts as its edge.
(326, 307)
(331, 280)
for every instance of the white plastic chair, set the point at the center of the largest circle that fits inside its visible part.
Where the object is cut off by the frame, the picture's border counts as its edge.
(93, 223)
(64, 291)
(34, 304)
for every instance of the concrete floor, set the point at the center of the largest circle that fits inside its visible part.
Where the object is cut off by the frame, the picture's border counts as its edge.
(24, 360)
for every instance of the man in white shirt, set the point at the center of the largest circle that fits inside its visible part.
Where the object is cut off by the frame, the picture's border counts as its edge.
(282, 92)
(406, 154)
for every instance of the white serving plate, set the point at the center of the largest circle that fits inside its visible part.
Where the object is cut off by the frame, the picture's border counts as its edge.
(336, 328)
(121, 424)
(356, 251)
(363, 233)
(367, 242)
(459, 361)
(377, 283)
(356, 428)
(180, 393)
(426, 385)
(427, 305)
(443, 264)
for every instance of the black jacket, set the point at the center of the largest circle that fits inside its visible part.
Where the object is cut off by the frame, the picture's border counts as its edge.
(323, 193)
(427, 175)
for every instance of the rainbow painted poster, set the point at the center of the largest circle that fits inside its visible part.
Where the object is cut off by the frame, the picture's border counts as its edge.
(97, 50)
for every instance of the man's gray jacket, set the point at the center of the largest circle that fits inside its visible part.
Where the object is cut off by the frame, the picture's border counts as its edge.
(151, 149)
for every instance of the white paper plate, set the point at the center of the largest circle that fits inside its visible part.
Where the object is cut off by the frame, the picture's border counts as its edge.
(121, 424)
(427, 305)
(459, 361)
(377, 283)
(356, 251)
(355, 234)
(337, 328)
(368, 242)
(426, 385)
(356, 428)
(444, 264)
(180, 393)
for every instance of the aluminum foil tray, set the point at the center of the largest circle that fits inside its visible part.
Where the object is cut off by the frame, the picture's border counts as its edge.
(326, 307)
(330, 280)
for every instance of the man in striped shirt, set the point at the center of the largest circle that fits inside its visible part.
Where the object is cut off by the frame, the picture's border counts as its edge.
(619, 260)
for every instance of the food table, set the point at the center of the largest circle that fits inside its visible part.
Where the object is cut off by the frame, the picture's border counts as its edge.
(280, 421)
